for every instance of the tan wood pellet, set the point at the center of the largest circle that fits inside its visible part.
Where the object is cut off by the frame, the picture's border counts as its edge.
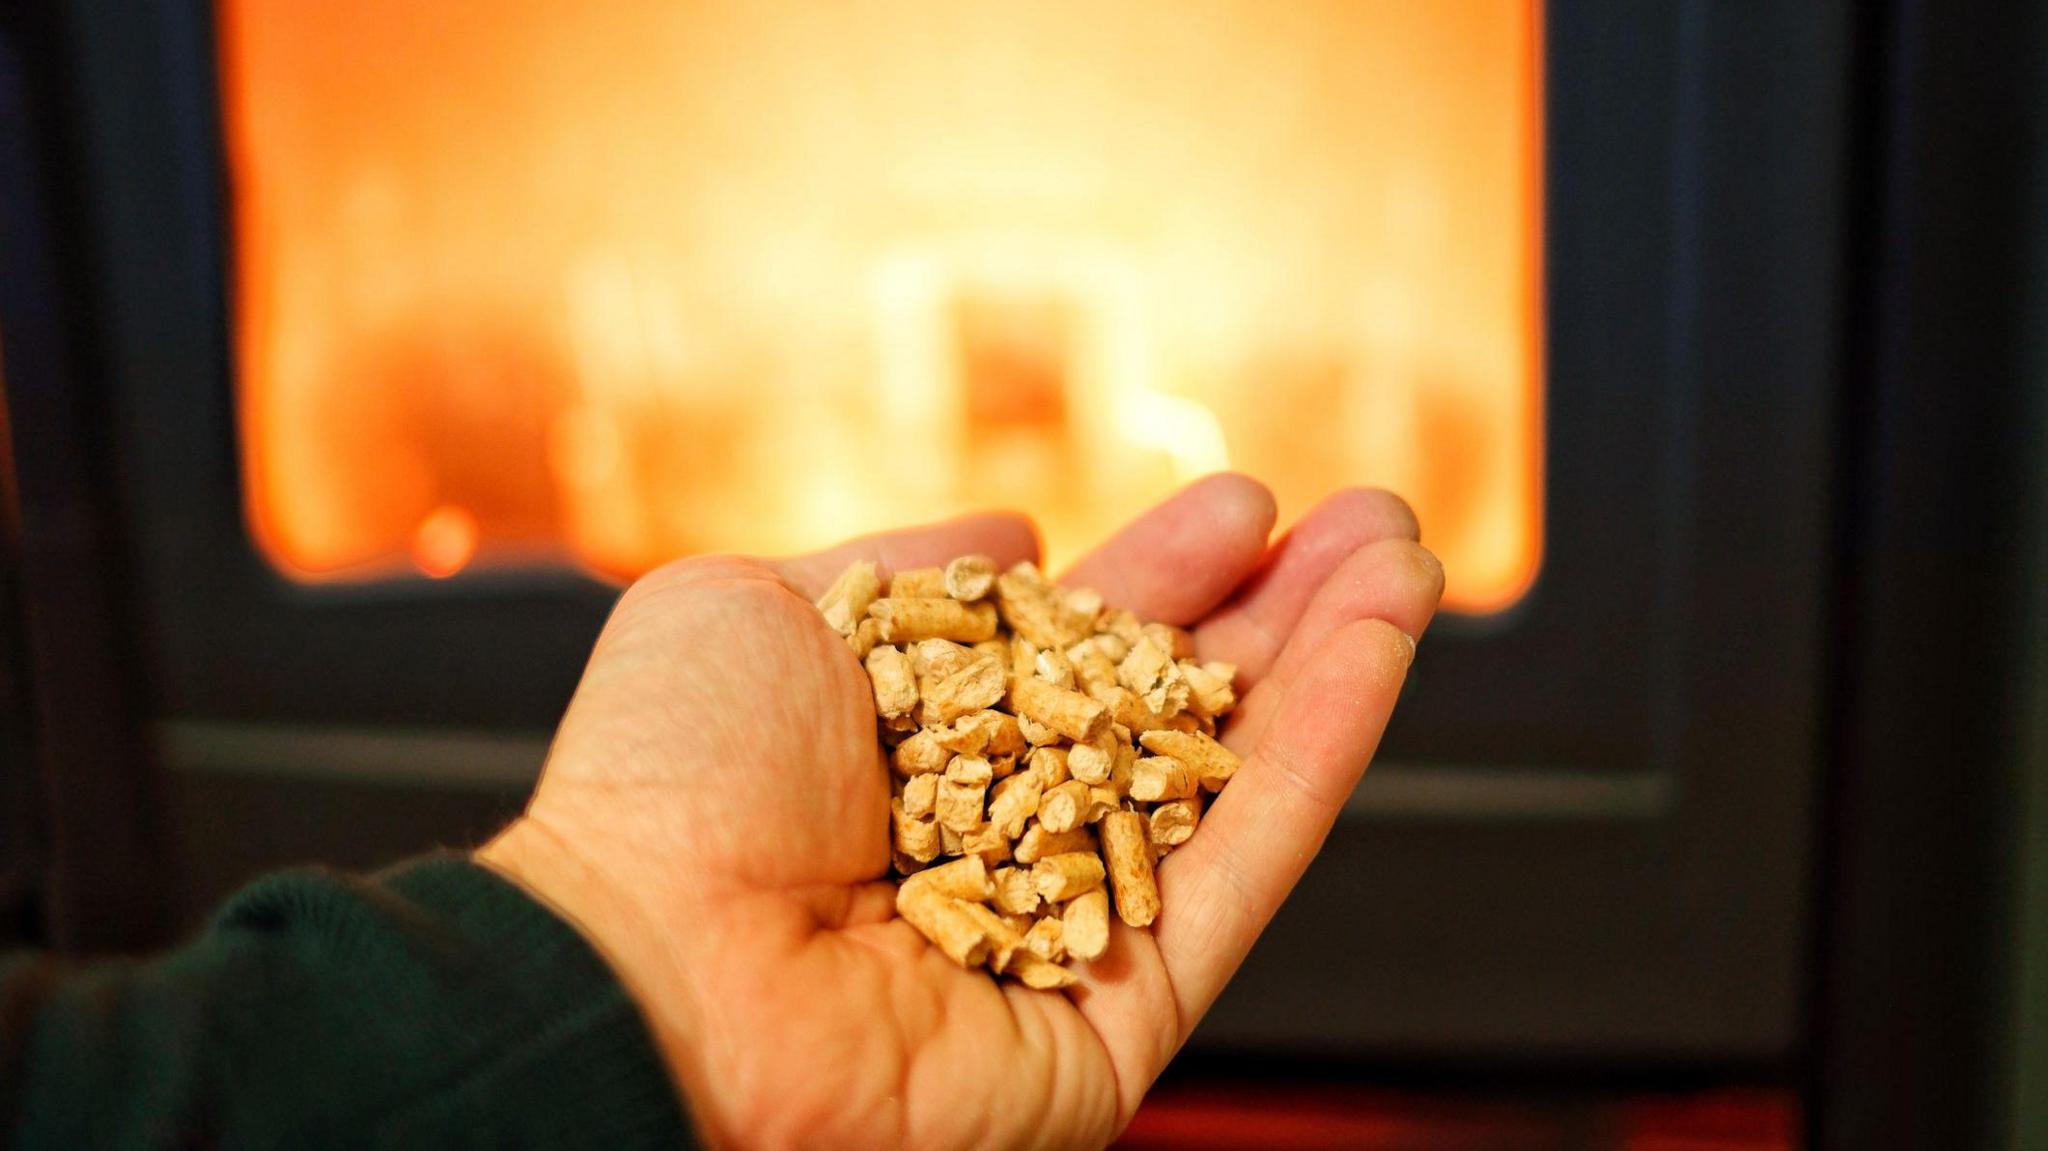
(1046, 939)
(935, 658)
(1044, 750)
(1004, 941)
(972, 771)
(1061, 877)
(919, 583)
(1149, 671)
(988, 843)
(1065, 807)
(1128, 853)
(1037, 734)
(969, 578)
(929, 617)
(944, 920)
(1038, 974)
(1172, 824)
(965, 878)
(921, 754)
(959, 806)
(1085, 925)
(866, 635)
(845, 604)
(1093, 669)
(1211, 762)
(1121, 624)
(1013, 802)
(977, 686)
(1093, 761)
(1178, 643)
(1050, 765)
(914, 837)
(1034, 609)
(1065, 711)
(1036, 843)
(1209, 690)
(1160, 779)
(920, 792)
(1014, 892)
(893, 681)
(1055, 668)
(1102, 801)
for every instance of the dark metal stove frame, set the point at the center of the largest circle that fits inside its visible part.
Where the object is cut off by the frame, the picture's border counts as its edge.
(1591, 833)
(1594, 839)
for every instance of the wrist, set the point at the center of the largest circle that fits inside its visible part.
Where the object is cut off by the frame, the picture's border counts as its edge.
(632, 940)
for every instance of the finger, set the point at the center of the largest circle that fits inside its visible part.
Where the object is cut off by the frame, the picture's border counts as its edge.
(1177, 561)
(1219, 891)
(1127, 997)
(1326, 707)
(1253, 627)
(1007, 537)
(1396, 580)
(1133, 999)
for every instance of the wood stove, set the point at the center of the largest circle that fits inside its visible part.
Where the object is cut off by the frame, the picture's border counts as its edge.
(400, 332)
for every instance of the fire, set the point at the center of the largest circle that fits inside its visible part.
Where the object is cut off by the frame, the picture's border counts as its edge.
(608, 283)
(444, 542)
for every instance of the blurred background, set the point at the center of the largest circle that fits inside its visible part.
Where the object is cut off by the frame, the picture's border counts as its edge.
(351, 355)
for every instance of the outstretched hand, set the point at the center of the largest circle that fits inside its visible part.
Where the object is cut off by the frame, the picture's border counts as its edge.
(714, 816)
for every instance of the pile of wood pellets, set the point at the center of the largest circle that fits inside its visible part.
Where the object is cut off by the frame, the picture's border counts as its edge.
(1046, 750)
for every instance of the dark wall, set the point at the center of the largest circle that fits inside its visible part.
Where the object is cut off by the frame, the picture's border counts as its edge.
(1940, 553)
(90, 793)
(231, 826)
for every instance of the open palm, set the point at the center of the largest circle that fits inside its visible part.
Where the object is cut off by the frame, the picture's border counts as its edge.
(714, 815)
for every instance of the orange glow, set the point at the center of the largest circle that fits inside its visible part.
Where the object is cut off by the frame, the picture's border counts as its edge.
(444, 542)
(620, 281)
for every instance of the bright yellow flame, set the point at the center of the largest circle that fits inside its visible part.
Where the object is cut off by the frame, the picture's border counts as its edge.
(627, 280)
(1182, 428)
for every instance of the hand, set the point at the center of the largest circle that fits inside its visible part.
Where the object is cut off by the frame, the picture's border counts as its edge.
(713, 815)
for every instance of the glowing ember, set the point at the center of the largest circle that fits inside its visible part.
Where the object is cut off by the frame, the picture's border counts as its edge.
(607, 283)
(444, 542)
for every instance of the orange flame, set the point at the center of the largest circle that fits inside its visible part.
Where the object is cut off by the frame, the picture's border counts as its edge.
(444, 542)
(615, 282)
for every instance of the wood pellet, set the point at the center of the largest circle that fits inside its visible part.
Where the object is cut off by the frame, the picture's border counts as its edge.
(1045, 752)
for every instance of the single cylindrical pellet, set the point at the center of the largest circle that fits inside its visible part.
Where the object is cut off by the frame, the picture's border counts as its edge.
(1061, 877)
(1128, 852)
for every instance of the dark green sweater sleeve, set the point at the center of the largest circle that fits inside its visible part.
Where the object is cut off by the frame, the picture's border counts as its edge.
(434, 1005)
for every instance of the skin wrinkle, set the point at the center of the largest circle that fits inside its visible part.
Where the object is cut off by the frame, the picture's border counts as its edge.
(927, 956)
(1214, 910)
(1013, 1018)
(691, 1075)
(1269, 644)
(1284, 766)
(1139, 949)
(1182, 1025)
(849, 1050)
(760, 1102)
(1032, 1028)
(929, 1054)
(1067, 1091)
(1119, 1111)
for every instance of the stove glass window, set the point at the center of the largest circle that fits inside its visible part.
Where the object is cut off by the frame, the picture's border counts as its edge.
(523, 283)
